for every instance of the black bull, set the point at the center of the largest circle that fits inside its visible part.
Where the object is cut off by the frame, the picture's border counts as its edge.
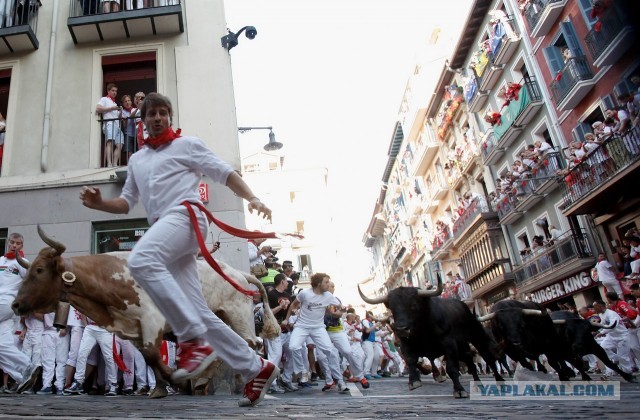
(577, 341)
(430, 326)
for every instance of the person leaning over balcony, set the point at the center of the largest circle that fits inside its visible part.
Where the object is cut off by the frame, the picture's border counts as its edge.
(111, 114)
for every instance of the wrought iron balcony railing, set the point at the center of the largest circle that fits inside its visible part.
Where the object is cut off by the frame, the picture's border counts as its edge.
(575, 70)
(601, 165)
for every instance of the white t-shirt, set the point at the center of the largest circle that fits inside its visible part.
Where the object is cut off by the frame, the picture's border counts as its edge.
(608, 317)
(605, 275)
(107, 102)
(11, 275)
(75, 318)
(313, 307)
(163, 178)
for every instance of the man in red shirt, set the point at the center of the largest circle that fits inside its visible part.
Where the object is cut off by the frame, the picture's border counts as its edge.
(630, 318)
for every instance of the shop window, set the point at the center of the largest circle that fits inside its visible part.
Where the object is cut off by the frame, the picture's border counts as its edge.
(117, 236)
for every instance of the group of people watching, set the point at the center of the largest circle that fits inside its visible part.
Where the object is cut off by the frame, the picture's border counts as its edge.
(121, 125)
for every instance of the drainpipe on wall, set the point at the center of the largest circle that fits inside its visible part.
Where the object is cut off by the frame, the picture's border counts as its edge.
(44, 155)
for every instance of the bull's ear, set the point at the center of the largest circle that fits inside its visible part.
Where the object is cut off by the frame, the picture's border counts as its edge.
(59, 262)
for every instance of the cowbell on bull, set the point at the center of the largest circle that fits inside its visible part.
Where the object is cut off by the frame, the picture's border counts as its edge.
(101, 287)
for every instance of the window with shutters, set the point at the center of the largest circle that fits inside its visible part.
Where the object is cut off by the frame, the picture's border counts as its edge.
(585, 9)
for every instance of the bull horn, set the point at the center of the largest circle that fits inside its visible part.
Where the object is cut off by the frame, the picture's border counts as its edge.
(431, 293)
(23, 263)
(535, 312)
(52, 243)
(487, 317)
(381, 299)
(559, 321)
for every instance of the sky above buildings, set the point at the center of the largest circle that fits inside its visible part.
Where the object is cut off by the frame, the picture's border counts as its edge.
(329, 76)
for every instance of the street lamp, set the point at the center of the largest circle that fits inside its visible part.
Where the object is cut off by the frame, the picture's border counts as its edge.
(230, 40)
(272, 145)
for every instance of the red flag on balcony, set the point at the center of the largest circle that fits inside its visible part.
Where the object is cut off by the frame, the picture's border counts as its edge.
(598, 26)
(558, 76)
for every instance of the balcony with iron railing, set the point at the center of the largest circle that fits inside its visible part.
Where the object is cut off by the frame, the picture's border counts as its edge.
(504, 42)
(566, 255)
(542, 14)
(491, 74)
(94, 21)
(612, 35)
(474, 209)
(18, 27)
(118, 141)
(572, 83)
(507, 209)
(441, 244)
(520, 109)
(490, 153)
(605, 174)
(474, 98)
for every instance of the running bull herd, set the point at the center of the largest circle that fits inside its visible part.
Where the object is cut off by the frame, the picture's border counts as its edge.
(425, 324)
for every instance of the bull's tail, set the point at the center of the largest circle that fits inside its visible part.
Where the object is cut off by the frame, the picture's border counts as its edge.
(270, 328)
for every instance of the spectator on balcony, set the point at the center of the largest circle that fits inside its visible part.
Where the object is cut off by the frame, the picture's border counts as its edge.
(109, 6)
(129, 125)
(26, 10)
(461, 289)
(542, 148)
(111, 115)
(566, 54)
(137, 4)
(554, 234)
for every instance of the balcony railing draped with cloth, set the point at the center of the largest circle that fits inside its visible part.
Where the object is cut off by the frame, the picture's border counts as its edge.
(564, 250)
(613, 156)
(530, 92)
(575, 70)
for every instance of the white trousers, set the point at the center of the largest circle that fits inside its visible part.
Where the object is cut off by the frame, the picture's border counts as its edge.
(136, 364)
(55, 350)
(32, 346)
(367, 347)
(274, 349)
(75, 337)
(104, 339)
(356, 360)
(167, 271)
(320, 338)
(617, 349)
(12, 360)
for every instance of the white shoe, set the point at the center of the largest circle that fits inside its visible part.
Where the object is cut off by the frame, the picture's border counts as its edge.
(342, 388)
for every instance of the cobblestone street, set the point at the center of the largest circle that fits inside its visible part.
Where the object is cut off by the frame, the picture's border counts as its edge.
(387, 398)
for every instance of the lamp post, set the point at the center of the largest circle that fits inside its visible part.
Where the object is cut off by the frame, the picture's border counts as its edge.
(272, 145)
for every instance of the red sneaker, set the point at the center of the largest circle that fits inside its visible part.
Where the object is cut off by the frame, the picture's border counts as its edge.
(364, 383)
(329, 387)
(256, 388)
(193, 359)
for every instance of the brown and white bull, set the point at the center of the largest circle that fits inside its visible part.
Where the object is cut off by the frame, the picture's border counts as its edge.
(101, 287)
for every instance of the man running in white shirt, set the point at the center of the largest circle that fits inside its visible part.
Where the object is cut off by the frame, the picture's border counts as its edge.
(310, 323)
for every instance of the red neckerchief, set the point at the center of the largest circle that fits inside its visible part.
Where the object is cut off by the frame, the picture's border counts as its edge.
(12, 255)
(251, 241)
(167, 136)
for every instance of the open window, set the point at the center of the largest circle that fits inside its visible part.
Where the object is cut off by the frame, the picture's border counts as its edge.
(131, 73)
